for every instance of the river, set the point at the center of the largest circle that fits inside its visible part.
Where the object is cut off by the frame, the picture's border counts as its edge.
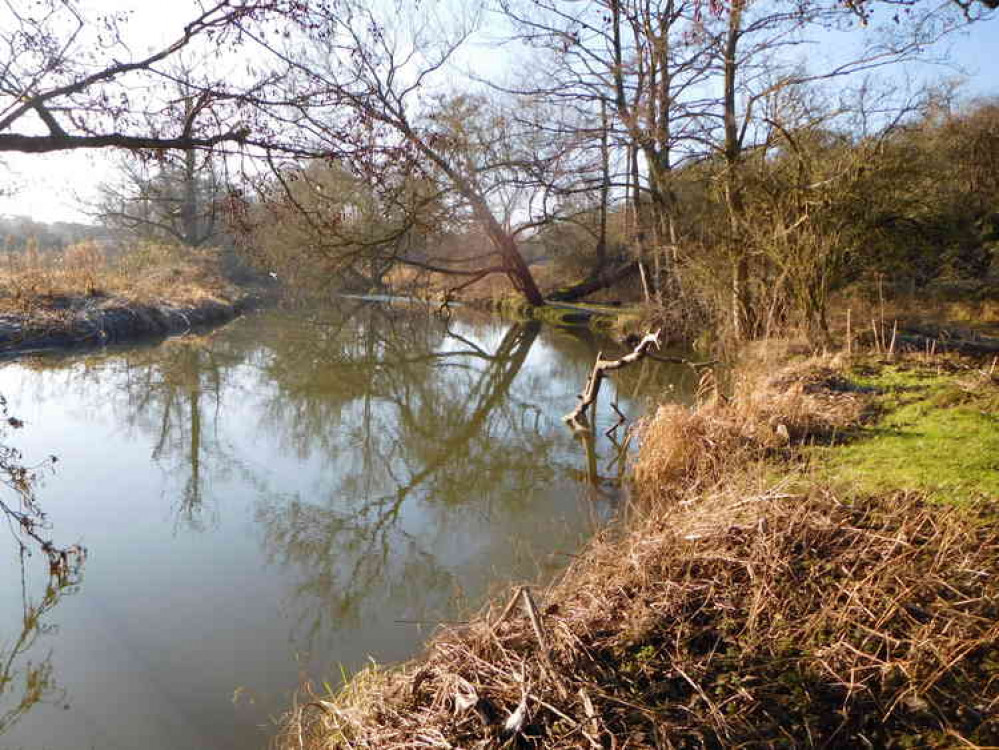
(278, 501)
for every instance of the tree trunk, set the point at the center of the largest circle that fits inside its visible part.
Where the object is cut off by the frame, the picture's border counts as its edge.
(601, 259)
(189, 205)
(601, 281)
(515, 266)
(743, 323)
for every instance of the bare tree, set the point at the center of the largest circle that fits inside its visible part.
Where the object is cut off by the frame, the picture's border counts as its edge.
(175, 199)
(321, 225)
(75, 78)
(635, 72)
(369, 91)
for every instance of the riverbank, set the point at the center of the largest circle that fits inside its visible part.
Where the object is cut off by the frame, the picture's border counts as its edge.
(772, 584)
(84, 322)
(155, 292)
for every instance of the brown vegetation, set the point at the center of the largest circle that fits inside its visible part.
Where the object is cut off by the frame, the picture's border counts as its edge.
(150, 272)
(772, 620)
(684, 449)
(81, 296)
(734, 609)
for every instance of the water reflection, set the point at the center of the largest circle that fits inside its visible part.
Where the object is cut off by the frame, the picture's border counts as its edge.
(438, 428)
(25, 678)
(292, 492)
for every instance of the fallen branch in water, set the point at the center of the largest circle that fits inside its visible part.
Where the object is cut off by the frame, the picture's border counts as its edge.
(577, 418)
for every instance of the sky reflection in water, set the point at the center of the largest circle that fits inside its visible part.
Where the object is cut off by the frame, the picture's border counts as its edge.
(292, 493)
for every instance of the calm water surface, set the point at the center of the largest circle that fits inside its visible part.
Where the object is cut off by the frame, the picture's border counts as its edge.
(288, 495)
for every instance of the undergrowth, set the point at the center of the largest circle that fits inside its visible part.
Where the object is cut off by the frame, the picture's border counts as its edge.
(746, 602)
(52, 283)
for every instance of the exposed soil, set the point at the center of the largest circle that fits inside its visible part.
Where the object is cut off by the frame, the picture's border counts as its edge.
(70, 322)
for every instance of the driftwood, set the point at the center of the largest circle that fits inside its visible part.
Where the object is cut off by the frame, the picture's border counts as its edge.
(577, 418)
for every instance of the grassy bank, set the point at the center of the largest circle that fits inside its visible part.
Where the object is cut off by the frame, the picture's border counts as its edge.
(80, 297)
(617, 319)
(771, 586)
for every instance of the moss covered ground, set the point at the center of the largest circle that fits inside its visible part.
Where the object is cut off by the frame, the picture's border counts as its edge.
(936, 432)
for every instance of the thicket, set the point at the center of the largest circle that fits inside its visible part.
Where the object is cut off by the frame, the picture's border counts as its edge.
(683, 154)
(826, 213)
(823, 211)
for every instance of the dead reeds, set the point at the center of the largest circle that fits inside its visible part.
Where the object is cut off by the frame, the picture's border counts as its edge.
(743, 614)
(686, 449)
(81, 297)
(774, 621)
(51, 283)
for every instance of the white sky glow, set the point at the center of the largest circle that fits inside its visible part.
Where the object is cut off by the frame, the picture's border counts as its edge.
(57, 187)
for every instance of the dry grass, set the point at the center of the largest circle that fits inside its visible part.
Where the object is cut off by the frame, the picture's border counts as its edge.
(79, 297)
(770, 621)
(51, 283)
(744, 615)
(690, 449)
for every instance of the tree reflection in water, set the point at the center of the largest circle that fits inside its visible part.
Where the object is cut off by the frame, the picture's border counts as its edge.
(329, 472)
(434, 423)
(421, 447)
(26, 682)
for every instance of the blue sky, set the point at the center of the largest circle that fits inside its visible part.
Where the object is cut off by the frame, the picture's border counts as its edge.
(54, 187)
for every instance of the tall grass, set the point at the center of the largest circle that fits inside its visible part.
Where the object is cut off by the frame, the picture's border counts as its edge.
(35, 281)
(689, 449)
(735, 608)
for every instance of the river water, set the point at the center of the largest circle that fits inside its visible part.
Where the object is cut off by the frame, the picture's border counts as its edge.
(280, 500)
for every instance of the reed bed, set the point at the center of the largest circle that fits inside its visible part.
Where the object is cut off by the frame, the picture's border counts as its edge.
(53, 284)
(744, 611)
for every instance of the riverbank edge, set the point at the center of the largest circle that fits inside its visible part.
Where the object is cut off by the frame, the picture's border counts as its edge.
(92, 322)
(628, 322)
(605, 318)
(615, 651)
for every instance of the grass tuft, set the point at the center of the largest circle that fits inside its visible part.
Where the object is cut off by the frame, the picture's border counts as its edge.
(740, 609)
(754, 619)
(687, 449)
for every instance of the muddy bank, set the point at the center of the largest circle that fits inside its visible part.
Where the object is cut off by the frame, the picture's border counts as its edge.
(80, 322)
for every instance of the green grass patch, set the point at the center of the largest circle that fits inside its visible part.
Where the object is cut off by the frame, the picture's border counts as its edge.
(937, 433)
(596, 316)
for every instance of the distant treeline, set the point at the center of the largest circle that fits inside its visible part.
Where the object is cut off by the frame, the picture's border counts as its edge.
(20, 233)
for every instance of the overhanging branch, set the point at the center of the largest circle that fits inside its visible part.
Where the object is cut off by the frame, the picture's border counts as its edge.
(42, 144)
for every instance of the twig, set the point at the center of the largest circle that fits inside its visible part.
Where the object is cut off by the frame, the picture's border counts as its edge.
(591, 715)
(681, 361)
(849, 333)
(507, 609)
(535, 618)
(621, 419)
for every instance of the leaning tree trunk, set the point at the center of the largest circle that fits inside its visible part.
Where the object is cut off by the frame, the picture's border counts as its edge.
(513, 262)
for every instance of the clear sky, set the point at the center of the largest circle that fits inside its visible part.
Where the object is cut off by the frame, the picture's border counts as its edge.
(56, 187)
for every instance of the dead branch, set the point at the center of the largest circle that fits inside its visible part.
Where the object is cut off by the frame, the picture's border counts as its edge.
(577, 418)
